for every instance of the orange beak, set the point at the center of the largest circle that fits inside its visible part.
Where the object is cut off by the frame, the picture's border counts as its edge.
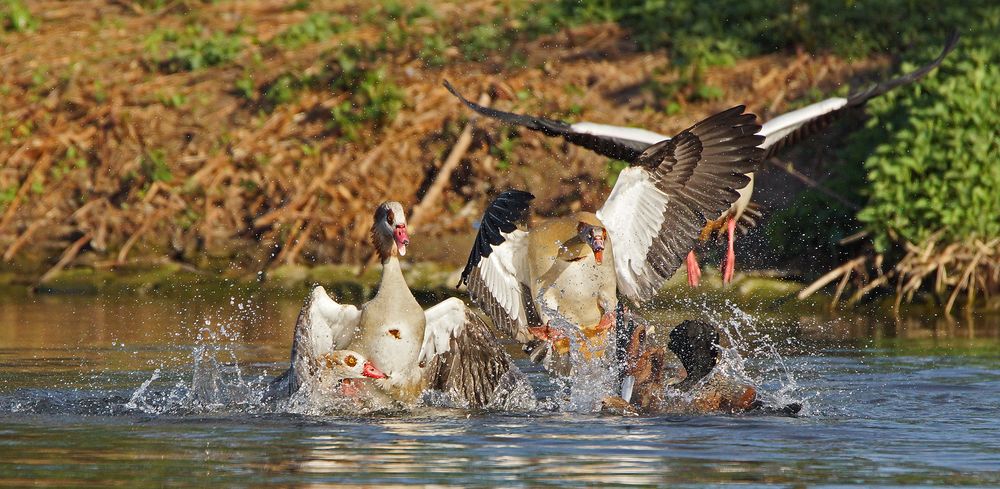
(598, 246)
(372, 372)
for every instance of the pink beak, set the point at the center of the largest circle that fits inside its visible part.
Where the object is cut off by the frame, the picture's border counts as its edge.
(402, 239)
(373, 373)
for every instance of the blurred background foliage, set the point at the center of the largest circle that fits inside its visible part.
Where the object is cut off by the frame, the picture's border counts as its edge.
(259, 133)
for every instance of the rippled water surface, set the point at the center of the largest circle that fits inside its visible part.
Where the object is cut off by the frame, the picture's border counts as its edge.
(98, 391)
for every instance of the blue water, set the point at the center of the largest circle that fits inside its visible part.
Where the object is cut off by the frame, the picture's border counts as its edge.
(915, 403)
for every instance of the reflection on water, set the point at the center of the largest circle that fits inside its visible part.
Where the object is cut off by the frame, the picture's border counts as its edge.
(899, 402)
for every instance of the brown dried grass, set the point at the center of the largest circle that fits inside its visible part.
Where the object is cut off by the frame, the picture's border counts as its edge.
(245, 191)
(945, 270)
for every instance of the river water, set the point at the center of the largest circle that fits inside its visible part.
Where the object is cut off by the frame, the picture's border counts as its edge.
(136, 392)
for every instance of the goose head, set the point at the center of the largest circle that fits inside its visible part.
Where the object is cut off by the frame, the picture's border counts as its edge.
(696, 344)
(348, 364)
(389, 235)
(594, 237)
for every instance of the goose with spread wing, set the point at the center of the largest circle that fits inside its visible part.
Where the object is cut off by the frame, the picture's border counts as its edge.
(575, 268)
(627, 143)
(446, 348)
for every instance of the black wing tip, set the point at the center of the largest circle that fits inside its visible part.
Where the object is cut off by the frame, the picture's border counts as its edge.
(459, 96)
(863, 96)
(951, 42)
(516, 194)
(513, 202)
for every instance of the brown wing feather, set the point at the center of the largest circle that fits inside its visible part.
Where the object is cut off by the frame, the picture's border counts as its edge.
(473, 367)
(699, 171)
(482, 297)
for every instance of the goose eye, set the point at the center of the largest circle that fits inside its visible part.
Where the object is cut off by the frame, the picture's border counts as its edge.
(351, 361)
(390, 217)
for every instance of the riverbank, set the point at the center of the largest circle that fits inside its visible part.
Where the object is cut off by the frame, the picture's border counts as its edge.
(765, 292)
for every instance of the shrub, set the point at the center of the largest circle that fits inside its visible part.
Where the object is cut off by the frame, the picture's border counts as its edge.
(936, 169)
(192, 48)
(317, 27)
(15, 17)
(722, 30)
(371, 95)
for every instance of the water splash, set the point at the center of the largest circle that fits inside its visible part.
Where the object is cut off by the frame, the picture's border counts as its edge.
(750, 355)
(585, 375)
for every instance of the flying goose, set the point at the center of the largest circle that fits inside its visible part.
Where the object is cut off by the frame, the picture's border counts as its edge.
(627, 143)
(446, 348)
(575, 268)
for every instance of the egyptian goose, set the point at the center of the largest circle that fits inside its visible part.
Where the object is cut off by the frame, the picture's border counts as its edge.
(446, 348)
(330, 369)
(701, 388)
(625, 143)
(574, 268)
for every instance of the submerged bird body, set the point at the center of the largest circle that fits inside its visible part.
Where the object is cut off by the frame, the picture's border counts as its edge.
(325, 373)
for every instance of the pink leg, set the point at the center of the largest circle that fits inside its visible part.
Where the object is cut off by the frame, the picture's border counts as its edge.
(694, 271)
(729, 265)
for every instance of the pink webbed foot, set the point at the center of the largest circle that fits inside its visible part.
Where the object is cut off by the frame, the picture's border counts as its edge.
(693, 270)
(729, 264)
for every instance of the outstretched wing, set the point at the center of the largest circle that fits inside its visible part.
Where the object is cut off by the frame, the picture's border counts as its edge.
(658, 207)
(497, 271)
(322, 327)
(627, 143)
(610, 146)
(788, 129)
(462, 356)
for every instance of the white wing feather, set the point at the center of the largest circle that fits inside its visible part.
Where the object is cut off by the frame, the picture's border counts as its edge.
(773, 130)
(633, 215)
(444, 322)
(333, 325)
(631, 133)
(322, 327)
(505, 271)
(776, 129)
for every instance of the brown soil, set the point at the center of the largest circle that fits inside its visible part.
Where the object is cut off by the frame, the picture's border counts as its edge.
(252, 189)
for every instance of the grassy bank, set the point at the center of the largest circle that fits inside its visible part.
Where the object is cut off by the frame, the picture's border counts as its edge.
(231, 137)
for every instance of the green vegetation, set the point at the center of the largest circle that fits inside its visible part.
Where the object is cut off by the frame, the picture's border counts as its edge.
(15, 17)
(154, 166)
(922, 165)
(192, 48)
(480, 41)
(934, 168)
(317, 27)
(371, 95)
(503, 150)
(725, 30)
